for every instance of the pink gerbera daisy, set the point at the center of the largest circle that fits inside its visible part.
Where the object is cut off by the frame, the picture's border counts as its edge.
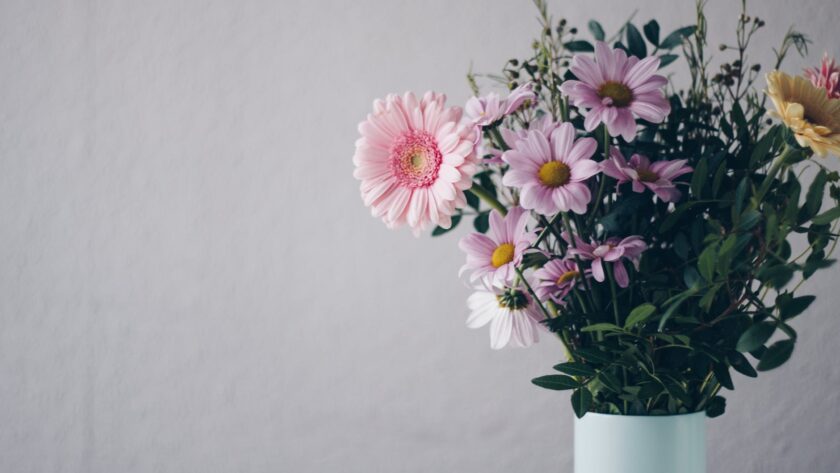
(658, 177)
(551, 170)
(495, 256)
(614, 89)
(513, 316)
(613, 250)
(827, 77)
(415, 160)
(556, 279)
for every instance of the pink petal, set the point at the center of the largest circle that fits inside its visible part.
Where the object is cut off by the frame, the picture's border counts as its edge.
(563, 138)
(620, 273)
(597, 270)
(583, 170)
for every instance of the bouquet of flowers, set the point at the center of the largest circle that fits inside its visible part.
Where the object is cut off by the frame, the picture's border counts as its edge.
(660, 232)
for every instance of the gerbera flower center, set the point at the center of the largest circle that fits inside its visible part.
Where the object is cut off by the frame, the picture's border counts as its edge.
(416, 159)
(502, 255)
(567, 276)
(554, 174)
(646, 175)
(512, 300)
(619, 95)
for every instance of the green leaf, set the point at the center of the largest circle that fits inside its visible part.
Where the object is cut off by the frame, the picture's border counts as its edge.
(777, 276)
(481, 223)
(722, 375)
(792, 204)
(575, 369)
(610, 381)
(826, 217)
(741, 364)
(740, 196)
(716, 407)
(707, 261)
(667, 59)
(726, 253)
(556, 382)
(597, 30)
(581, 401)
(592, 354)
(762, 148)
(440, 230)
(635, 42)
(790, 307)
(709, 297)
(738, 117)
(675, 302)
(579, 46)
(755, 336)
(776, 355)
(725, 127)
(639, 314)
(698, 179)
(651, 30)
(676, 38)
(602, 327)
(814, 197)
(749, 220)
(812, 267)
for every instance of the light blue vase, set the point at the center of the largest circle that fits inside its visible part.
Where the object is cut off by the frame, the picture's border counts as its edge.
(640, 444)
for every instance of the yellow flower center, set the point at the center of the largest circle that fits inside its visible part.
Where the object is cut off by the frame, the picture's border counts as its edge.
(502, 255)
(620, 94)
(646, 175)
(567, 276)
(554, 174)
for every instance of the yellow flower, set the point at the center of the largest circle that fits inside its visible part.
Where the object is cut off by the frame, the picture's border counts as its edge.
(813, 118)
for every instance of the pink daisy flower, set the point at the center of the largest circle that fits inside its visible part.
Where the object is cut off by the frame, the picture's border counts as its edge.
(513, 316)
(557, 278)
(827, 77)
(490, 108)
(415, 160)
(613, 250)
(551, 170)
(545, 125)
(494, 256)
(614, 89)
(658, 177)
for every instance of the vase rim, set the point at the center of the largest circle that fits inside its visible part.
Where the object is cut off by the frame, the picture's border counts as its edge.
(636, 416)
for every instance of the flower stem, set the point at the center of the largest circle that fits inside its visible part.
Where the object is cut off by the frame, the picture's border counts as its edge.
(544, 310)
(497, 135)
(487, 197)
(617, 316)
(531, 292)
(572, 243)
(613, 293)
(777, 166)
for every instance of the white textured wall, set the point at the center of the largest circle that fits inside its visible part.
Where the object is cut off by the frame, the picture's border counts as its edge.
(189, 281)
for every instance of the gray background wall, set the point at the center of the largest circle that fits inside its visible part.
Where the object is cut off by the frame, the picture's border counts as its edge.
(189, 281)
